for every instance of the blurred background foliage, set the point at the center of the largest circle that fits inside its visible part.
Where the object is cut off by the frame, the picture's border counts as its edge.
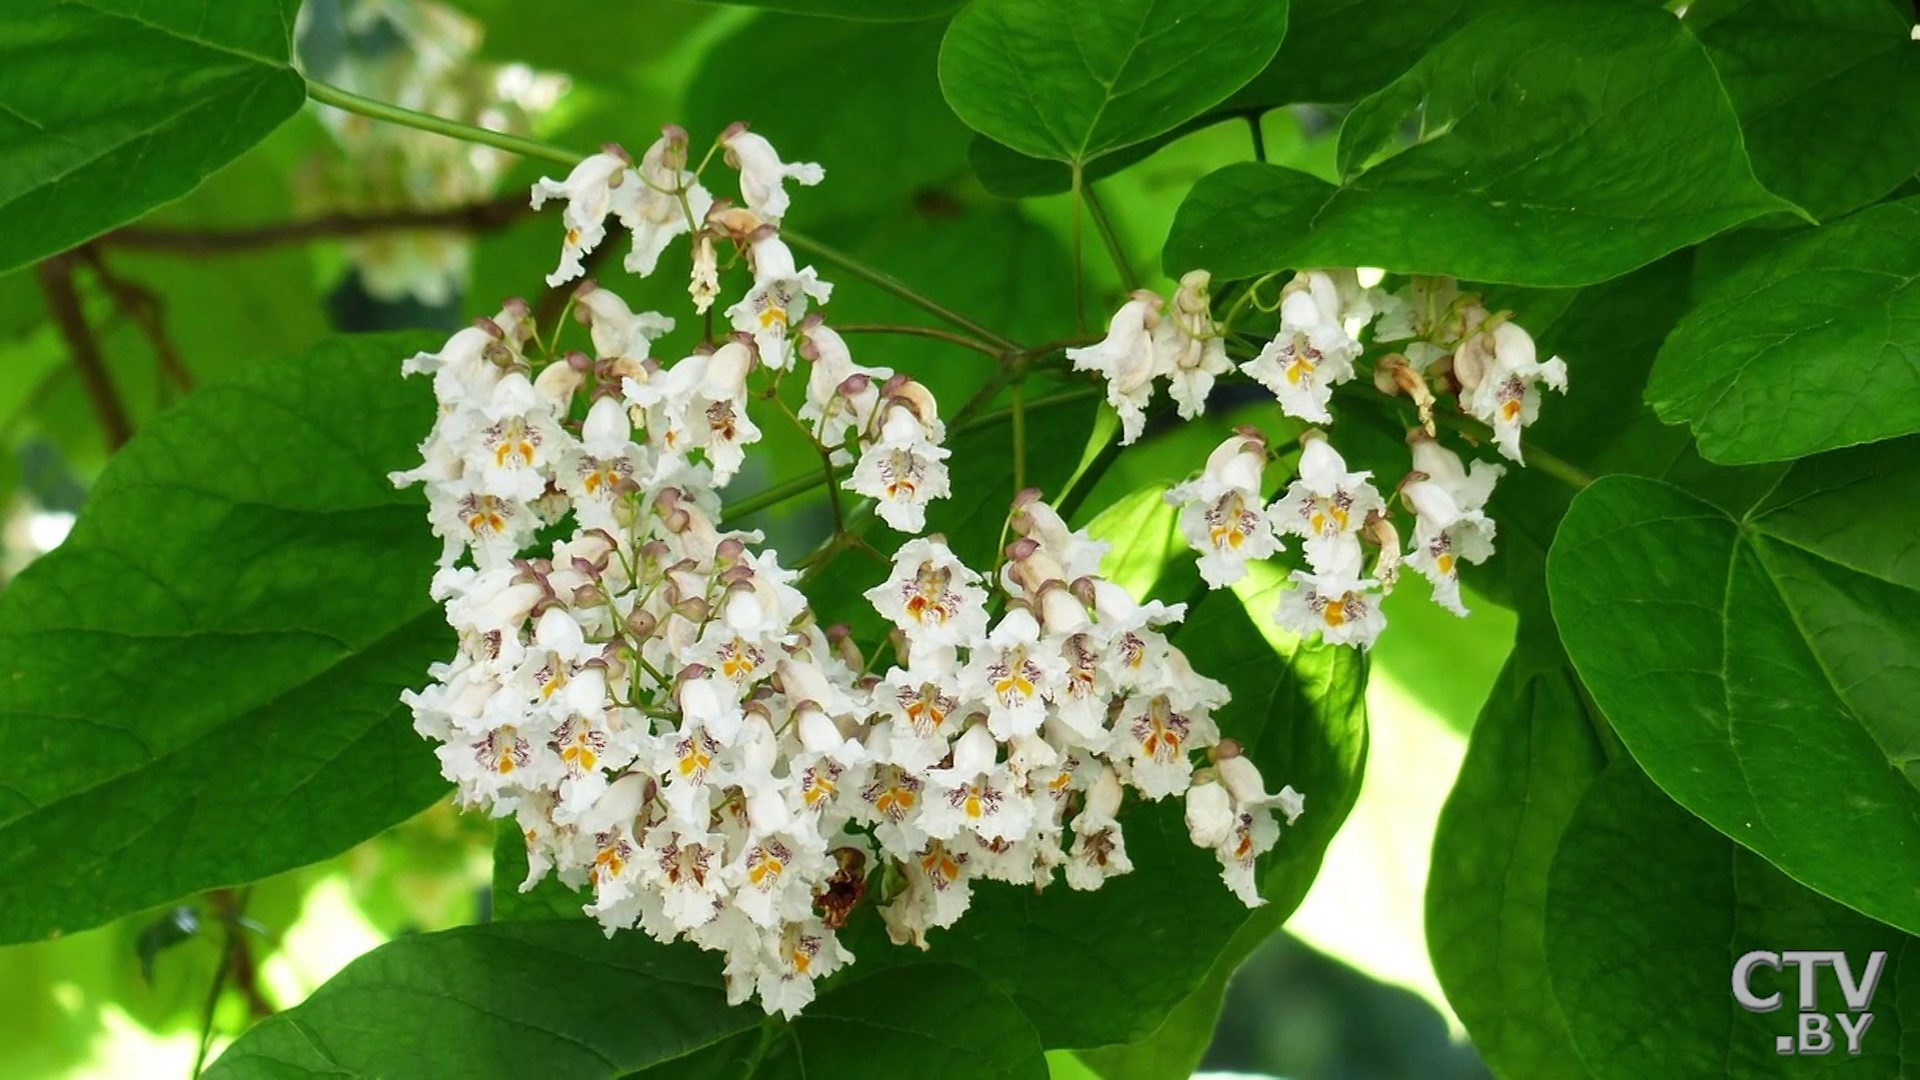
(210, 284)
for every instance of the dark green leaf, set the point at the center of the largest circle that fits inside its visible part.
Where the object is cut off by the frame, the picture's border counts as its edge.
(924, 1020)
(1176, 1047)
(112, 107)
(1815, 83)
(1762, 668)
(1532, 753)
(887, 81)
(863, 10)
(640, 36)
(1343, 50)
(1558, 143)
(204, 677)
(1073, 79)
(1648, 910)
(549, 999)
(1812, 345)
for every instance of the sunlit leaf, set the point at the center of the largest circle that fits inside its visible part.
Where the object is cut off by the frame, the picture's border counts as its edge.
(112, 107)
(1811, 345)
(1073, 79)
(1761, 666)
(1557, 143)
(207, 671)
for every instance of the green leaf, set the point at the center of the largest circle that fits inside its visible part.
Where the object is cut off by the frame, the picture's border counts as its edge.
(925, 1020)
(862, 10)
(1073, 79)
(1176, 1047)
(1343, 50)
(1815, 82)
(892, 89)
(548, 999)
(1812, 345)
(1532, 753)
(206, 674)
(627, 39)
(1762, 667)
(112, 107)
(1146, 539)
(1558, 143)
(1648, 910)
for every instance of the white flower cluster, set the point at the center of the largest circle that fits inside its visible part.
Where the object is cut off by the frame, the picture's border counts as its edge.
(1456, 347)
(655, 703)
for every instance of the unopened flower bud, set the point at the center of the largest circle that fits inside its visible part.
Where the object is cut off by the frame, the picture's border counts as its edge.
(1210, 817)
(840, 638)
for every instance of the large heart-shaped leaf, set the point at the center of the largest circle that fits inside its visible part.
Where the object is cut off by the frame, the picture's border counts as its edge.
(1532, 753)
(1815, 83)
(1073, 79)
(203, 679)
(559, 999)
(1648, 910)
(1812, 345)
(109, 108)
(1342, 50)
(1557, 143)
(1762, 668)
(550, 999)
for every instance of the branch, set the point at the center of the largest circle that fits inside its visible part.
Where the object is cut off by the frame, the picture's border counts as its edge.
(63, 303)
(143, 306)
(1115, 250)
(475, 217)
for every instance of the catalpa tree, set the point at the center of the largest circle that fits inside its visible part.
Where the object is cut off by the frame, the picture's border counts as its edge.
(898, 587)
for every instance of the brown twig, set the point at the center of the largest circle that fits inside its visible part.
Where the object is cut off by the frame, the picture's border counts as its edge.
(144, 307)
(475, 217)
(83, 348)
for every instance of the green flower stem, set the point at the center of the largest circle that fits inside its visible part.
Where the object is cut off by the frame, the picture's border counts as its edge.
(452, 129)
(1019, 435)
(774, 496)
(887, 282)
(394, 114)
(1112, 239)
(1557, 467)
(1079, 262)
(741, 509)
(920, 331)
